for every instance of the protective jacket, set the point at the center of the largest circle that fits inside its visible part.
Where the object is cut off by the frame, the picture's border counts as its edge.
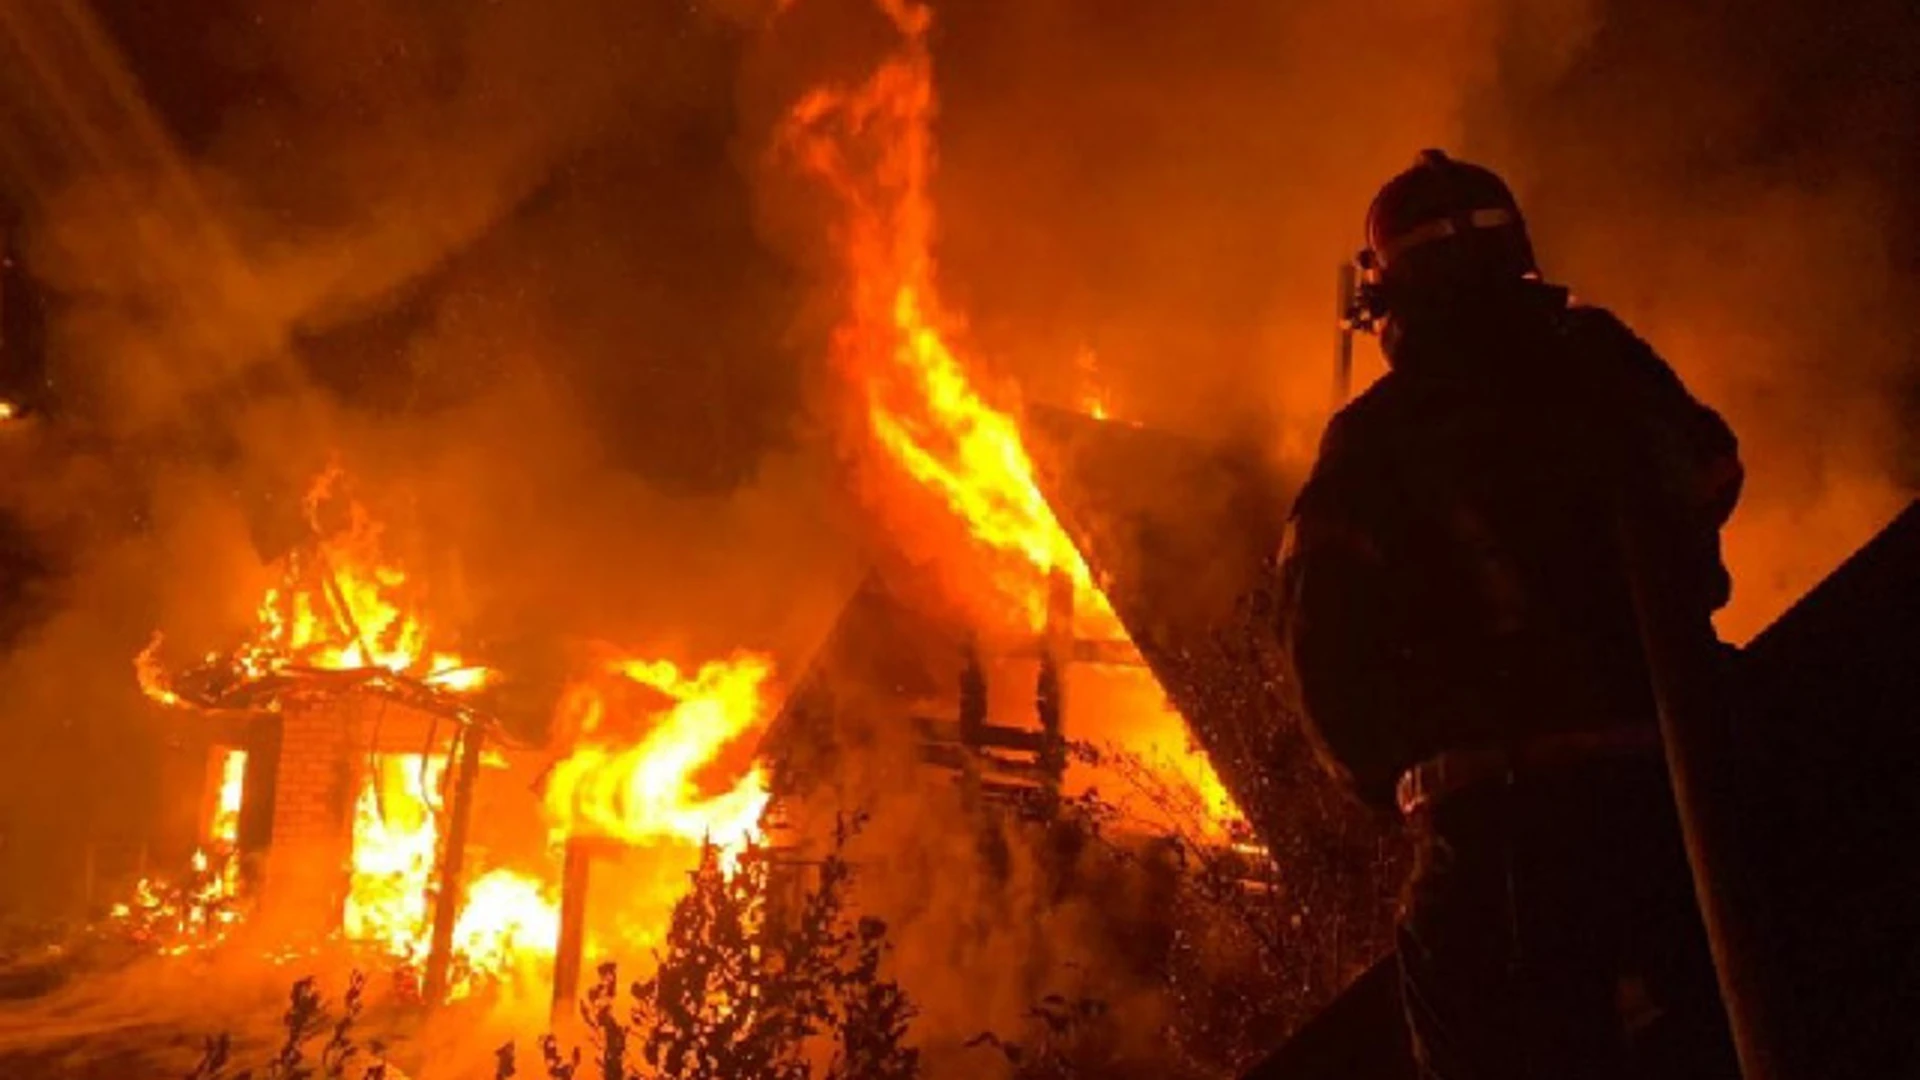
(1450, 577)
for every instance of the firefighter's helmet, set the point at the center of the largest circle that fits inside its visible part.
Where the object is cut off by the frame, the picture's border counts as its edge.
(1446, 224)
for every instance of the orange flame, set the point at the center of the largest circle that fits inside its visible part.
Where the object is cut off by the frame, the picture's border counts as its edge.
(152, 674)
(873, 147)
(646, 789)
(506, 919)
(342, 604)
(199, 911)
(1094, 399)
(223, 828)
(395, 837)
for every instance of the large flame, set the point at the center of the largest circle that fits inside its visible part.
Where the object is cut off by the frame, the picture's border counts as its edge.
(637, 779)
(506, 919)
(873, 146)
(395, 838)
(657, 761)
(343, 603)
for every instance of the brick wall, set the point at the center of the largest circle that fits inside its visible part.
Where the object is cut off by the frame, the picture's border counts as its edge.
(305, 877)
(324, 743)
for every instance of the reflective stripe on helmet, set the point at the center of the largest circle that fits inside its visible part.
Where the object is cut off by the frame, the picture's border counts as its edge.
(1492, 217)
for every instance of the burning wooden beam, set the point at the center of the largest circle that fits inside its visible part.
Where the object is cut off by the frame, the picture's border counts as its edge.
(449, 885)
(575, 879)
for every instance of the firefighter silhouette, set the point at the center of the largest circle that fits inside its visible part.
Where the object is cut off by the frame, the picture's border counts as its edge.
(1461, 641)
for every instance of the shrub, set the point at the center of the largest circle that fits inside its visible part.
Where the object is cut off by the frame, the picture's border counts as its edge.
(746, 989)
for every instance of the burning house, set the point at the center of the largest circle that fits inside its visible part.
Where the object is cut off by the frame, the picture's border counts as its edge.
(1048, 582)
(345, 759)
(349, 760)
(1062, 614)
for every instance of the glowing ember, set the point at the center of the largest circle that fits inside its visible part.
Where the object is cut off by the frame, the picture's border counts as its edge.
(8, 411)
(873, 146)
(637, 778)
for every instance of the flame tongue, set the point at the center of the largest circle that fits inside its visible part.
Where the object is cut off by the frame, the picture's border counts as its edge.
(646, 789)
(343, 604)
(506, 918)
(872, 146)
(394, 839)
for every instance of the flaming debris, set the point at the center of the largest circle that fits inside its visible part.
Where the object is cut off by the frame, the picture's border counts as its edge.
(340, 605)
